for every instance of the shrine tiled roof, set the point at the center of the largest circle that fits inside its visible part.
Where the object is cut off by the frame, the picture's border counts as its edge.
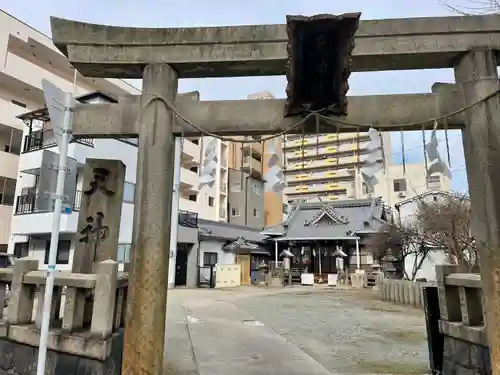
(228, 231)
(330, 220)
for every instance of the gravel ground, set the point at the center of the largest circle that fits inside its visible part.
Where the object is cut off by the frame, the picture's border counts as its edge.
(350, 332)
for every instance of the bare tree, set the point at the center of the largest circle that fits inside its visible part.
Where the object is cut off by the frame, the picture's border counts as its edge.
(473, 7)
(402, 241)
(446, 224)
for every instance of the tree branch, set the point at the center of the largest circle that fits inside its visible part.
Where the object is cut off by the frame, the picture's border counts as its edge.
(475, 7)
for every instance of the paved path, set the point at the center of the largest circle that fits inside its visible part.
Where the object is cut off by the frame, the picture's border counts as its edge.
(292, 331)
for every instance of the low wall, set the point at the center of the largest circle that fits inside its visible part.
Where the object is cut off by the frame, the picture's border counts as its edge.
(21, 359)
(461, 322)
(85, 327)
(403, 292)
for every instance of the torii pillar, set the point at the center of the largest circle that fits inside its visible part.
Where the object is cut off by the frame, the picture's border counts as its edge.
(147, 295)
(476, 75)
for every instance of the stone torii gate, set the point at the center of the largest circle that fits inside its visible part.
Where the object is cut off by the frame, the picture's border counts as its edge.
(161, 56)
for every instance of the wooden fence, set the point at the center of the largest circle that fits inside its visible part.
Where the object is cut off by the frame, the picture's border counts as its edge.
(403, 292)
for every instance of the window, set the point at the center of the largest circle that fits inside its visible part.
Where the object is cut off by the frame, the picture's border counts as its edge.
(128, 192)
(399, 185)
(256, 213)
(235, 211)
(209, 259)
(62, 252)
(236, 187)
(434, 182)
(3, 248)
(123, 254)
(193, 197)
(257, 189)
(194, 169)
(211, 201)
(21, 249)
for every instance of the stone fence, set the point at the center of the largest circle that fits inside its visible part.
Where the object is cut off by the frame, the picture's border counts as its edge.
(461, 303)
(85, 324)
(403, 292)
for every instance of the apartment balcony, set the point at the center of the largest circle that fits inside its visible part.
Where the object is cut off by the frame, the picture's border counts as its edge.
(13, 84)
(41, 139)
(323, 164)
(31, 74)
(252, 166)
(190, 152)
(254, 149)
(339, 151)
(322, 176)
(318, 198)
(26, 204)
(188, 205)
(189, 180)
(28, 219)
(311, 141)
(327, 189)
(188, 219)
(8, 113)
(222, 214)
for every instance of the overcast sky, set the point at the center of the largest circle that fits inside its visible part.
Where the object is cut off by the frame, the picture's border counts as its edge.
(187, 13)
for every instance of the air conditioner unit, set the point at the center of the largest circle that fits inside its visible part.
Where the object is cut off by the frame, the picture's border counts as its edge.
(402, 194)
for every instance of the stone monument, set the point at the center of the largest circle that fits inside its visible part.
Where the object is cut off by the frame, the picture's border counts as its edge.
(88, 336)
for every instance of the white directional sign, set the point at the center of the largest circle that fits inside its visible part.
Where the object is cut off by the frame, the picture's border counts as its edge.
(54, 99)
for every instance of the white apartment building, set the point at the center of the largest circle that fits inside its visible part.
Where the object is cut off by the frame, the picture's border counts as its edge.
(25, 227)
(398, 183)
(28, 56)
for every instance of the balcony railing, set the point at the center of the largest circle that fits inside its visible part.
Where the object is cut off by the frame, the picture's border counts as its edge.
(25, 204)
(188, 219)
(41, 139)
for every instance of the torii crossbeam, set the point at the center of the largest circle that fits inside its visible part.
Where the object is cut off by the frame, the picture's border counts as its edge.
(162, 56)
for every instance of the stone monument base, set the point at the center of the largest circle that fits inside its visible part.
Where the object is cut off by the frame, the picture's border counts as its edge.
(358, 280)
(21, 359)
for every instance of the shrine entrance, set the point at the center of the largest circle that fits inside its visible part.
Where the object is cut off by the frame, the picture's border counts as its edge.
(316, 54)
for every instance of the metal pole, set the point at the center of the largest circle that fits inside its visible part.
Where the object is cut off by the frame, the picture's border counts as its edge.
(358, 257)
(175, 207)
(54, 238)
(276, 251)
